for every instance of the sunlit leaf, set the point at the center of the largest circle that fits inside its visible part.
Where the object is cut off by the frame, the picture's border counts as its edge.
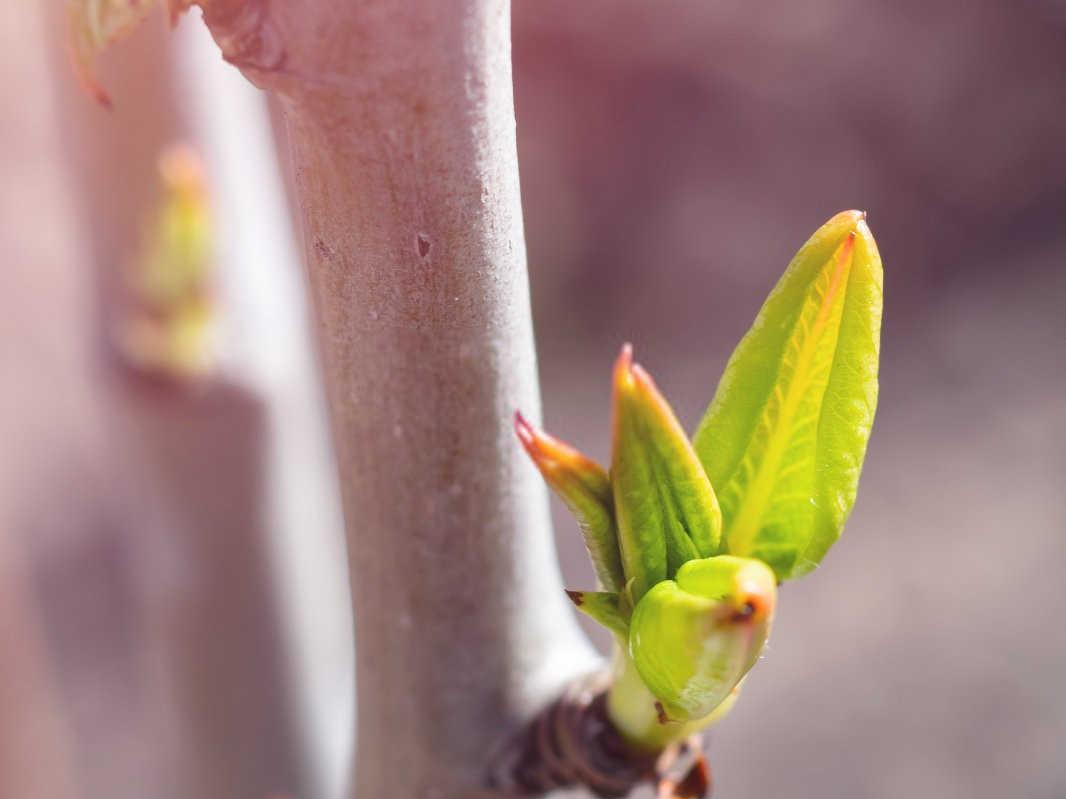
(784, 438)
(584, 486)
(666, 511)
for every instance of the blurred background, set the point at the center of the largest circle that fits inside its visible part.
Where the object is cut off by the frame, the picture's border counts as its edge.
(162, 526)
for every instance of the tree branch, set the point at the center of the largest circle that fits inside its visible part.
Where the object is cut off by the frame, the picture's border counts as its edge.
(402, 127)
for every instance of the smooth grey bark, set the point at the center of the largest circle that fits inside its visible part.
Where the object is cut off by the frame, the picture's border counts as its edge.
(403, 142)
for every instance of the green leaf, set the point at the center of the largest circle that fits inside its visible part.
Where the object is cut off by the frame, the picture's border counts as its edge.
(602, 607)
(585, 488)
(693, 640)
(666, 510)
(784, 438)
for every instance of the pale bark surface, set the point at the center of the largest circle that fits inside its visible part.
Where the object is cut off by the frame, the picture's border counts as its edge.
(267, 346)
(45, 412)
(189, 636)
(143, 506)
(402, 129)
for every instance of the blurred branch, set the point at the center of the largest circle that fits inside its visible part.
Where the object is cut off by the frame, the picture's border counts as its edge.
(46, 412)
(203, 634)
(34, 757)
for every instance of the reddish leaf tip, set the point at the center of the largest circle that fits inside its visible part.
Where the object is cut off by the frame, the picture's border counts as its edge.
(623, 366)
(577, 597)
(533, 441)
(523, 429)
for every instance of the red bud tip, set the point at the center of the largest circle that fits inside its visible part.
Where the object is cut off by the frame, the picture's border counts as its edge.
(564, 468)
(542, 448)
(524, 430)
(637, 377)
(623, 367)
(630, 374)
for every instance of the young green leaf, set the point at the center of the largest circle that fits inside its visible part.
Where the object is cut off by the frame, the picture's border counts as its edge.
(693, 639)
(602, 607)
(665, 507)
(784, 438)
(585, 488)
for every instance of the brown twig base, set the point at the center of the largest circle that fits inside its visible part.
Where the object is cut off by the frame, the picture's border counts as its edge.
(572, 743)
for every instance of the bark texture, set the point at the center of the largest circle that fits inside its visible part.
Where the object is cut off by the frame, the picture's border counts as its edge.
(403, 144)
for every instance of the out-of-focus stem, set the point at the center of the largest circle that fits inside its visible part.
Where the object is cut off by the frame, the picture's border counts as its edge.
(46, 411)
(197, 645)
(34, 757)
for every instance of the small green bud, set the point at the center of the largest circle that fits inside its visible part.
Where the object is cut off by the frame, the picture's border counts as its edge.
(694, 638)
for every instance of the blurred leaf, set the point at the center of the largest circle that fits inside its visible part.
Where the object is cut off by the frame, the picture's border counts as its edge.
(666, 511)
(784, 438)
(583, 485)
(176, 260)
(95, 24)
(168, 323)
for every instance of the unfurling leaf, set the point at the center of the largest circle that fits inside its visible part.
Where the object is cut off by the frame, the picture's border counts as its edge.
(694, 639)
(666, 510)
(784, 438)
(585, 488)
